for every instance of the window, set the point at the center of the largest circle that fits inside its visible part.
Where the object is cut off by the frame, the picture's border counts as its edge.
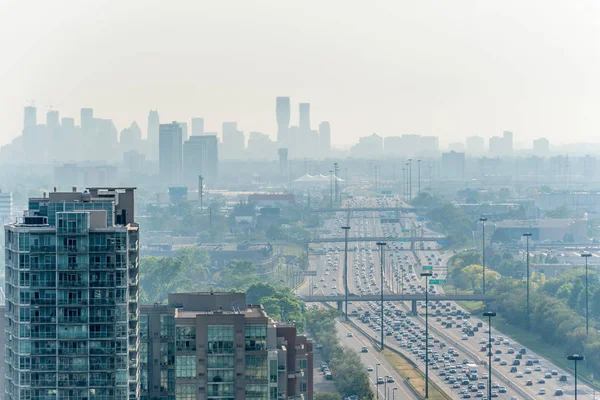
(185, 366)
(256, 367)
(143, 353)
(220, 361)
(167, 353)
(220, 339)
(303, 386)
(167, 326)
(167, 380)
(273, 371)
(256, 392)
(220, 375)
(185, 338)
(256, 337)
(303, 364)
(185, 391)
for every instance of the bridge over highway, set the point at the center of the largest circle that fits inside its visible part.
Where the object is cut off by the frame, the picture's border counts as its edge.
(380, 239)
(413, 298)
(366, 209)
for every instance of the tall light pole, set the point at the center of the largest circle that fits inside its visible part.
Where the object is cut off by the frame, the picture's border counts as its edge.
(404, 183)
(346, 229)
(381, 262)
(419, 176)
(410, 179)
(482, 220)
(528, 235)
(587, 309)
(377, 379)
(330, 189)
(394, 393)
(426, 275)
(575, 358)
(489, 314)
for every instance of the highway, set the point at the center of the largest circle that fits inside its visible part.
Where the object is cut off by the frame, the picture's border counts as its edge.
(401, 274)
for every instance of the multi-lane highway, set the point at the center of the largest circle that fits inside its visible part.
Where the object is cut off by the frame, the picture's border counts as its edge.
(450, 326)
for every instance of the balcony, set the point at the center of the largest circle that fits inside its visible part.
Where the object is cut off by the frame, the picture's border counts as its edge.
(43, 319)
(72, 249)
(43, 302)
(102, 248)
(42, 248)
(42, 284)
(102, 319)
(72, 302)
(72, 283)
(102, 302)
(105, 266)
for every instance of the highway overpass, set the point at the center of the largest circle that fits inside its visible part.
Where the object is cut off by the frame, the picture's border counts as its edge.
(439, 239)
(366, 209)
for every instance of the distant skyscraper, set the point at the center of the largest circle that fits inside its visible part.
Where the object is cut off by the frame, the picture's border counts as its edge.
(152, 133)
(233, 141)
(201, 157)
(475, 145)
(87, 121)
(184, 130)
(496, 146)
(260, 146)
(541, 147)
(453, 165)
(170, 153)
(325, 138)
(30, 119)
(52, 120)
(67, 122)
(283, 161)
(508, 142)
(304, 118)
(197, 126)
(282, 110)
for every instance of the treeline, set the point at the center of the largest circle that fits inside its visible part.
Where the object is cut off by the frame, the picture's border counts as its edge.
(349, 373)
(451, 221)
(557, 305)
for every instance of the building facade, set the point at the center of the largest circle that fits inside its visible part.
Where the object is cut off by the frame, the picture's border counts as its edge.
(170, 153)
(71, 315)
(201, 157)
(214, 346)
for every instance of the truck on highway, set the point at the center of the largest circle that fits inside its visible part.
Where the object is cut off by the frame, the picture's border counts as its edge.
(472, 372)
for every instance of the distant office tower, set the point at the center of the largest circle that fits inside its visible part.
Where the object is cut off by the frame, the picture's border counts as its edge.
(67, 122)
(283, 161)
(104, 144)
(304, 118)
(215, 346)
(429, 146)
(6, 209)
(260, 146)
(184, 130)
(508, 142)
(52, 120)
(87, 121)
(368, 146)
(282, 110)
(170, 154)
(197, 126)
(475, 145)
(392, 146)
(325, 138)
(152, 133)
(72, 307)
(453, 165)
(130, 138)
(541, 147)
(233, 141)
(30, 119)
(201, 157)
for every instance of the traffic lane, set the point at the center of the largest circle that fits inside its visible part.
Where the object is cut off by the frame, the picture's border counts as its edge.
(372, 358)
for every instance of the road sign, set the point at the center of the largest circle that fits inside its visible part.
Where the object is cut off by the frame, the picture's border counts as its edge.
(401, 240)
(437, 281)
(405, 230)
(420, 218)
(309, 273)
(428, 267)
(442, 242)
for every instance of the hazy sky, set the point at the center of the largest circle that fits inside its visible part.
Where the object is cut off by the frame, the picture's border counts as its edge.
(450, 68)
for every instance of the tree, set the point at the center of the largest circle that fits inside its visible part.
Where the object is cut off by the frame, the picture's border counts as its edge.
(327, 396)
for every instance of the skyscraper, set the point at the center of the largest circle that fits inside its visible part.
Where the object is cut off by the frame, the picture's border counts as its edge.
(325, 138)
(541, 147)
(233, 141)
(87, 121)
(153, 128)
(52, 120)
(184, 130)
(72, 297)
(282, 110)
(304, 117)
(30, 118)
(201, 157)
(170, 153)
(475, 145)
(197, 126)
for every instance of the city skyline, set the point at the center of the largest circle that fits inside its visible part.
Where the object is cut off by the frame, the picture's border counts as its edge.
(361, 87)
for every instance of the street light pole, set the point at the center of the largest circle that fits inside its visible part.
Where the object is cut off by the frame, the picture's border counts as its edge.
(528, 235)
(419, 175)
(346, 229)
(410, 179)
(489, 314)
(394, 393)
(426, 275)
(381, 262)
(482, 220)
(377, 379)
(575, 358)
(587, 309)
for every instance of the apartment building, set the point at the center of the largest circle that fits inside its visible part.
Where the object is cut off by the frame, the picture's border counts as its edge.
(215, 346)
(71, 314)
